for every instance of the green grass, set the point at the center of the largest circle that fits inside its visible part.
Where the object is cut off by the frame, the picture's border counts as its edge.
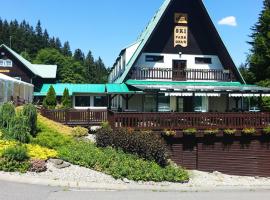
(107, 160)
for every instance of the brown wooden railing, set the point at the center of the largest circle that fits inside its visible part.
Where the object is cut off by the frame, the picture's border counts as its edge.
(76, 117)
(187, 74)
(180, 121)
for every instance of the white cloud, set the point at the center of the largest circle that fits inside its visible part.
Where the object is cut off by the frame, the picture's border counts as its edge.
(228, 21)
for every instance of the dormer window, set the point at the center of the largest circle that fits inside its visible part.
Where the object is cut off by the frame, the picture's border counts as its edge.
(153, 58)
(201, 60)
(5, 63)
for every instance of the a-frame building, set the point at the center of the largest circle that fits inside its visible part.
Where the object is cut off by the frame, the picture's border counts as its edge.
(180, 64)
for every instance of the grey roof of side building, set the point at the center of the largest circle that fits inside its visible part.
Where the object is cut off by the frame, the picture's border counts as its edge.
(43, 71)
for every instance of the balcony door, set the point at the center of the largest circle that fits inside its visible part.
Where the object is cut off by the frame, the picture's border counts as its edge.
(178, 70)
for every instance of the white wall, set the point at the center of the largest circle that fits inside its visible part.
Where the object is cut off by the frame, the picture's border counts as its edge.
(168, 60)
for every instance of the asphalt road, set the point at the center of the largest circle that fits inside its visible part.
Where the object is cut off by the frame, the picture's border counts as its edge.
(15, 191)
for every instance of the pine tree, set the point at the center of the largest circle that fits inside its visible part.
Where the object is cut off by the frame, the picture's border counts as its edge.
(66, 100)
(79, 55)
(50, 100)
(66, 49)
(259, 59)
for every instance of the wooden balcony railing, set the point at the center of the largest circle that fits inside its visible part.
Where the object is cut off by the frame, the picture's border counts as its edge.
(182, 75)
(180, 121)
(76, 117)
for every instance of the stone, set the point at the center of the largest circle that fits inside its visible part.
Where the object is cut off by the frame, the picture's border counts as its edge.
(62, 166)
(56, 161)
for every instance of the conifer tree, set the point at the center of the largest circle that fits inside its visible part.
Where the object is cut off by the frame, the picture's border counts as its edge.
(66, 49)
(50, 100)
(66, 100)
(259, 59)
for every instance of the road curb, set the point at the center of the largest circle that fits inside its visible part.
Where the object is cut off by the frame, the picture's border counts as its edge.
(122, 187)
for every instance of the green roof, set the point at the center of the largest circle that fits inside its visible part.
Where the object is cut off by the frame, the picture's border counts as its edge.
(73, 88)
(182, 83)
(87, 89)
(119, 89)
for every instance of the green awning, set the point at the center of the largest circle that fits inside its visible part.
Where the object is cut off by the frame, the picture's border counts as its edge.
(119, 89)
(73, 88)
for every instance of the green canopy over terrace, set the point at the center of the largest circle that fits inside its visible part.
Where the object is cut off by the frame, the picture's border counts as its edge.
(88, 89)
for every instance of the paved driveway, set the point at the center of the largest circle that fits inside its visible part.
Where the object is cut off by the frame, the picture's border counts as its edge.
(15, 191)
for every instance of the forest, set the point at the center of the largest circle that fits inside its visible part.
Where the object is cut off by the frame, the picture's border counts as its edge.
(36, 45)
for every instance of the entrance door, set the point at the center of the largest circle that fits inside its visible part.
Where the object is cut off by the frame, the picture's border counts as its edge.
(178, 70)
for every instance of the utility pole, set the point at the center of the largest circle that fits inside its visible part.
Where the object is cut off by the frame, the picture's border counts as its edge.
(10, 38)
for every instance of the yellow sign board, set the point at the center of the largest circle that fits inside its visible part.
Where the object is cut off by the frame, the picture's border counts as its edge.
(180, 18)
(181, 36)
(4, 71)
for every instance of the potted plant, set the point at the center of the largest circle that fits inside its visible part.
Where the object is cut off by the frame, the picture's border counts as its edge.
(230, 132)
(210, 132)
(249, 131)
(190, 131)
(169, 133)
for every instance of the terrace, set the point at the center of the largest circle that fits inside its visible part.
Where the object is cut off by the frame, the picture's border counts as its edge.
(182, 75)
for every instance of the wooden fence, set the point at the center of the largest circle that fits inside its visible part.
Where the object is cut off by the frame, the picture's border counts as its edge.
(76, 117)
(180, 121)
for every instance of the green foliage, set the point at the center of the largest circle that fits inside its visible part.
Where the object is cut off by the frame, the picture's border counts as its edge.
(18, 129)
(145, 144)
(48, 137)
(169, 133)
(190, 131)
(230, 131)
(249, 131)
(118, 164)
(49, 101)
(30, 112)
(266, 130)
(16, 153)
(211, 131)
(13, 166)
(79, 132)
(66, 99)
(107, 160)
(7, 112)
(38, 47)
(105, 125)
(259, 59)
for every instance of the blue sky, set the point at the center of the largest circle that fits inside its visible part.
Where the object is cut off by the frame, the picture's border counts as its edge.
(106, 26)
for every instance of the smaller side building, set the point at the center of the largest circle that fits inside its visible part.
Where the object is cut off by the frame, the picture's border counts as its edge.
(14, 65)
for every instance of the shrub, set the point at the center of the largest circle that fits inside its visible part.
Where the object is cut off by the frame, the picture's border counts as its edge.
(169, 133)
(40, 153)
(79, 131)
(106, 125)
(7, 112)
(15, 153)
(190, 131)
(119, 164)
(30, 112)
(49, 101)
(249, 131)
(66, 100)
(19, 129)
(230, 131)
(211, 131)
(37, 166)
(13, 166)
(267, 130)
(145, 144)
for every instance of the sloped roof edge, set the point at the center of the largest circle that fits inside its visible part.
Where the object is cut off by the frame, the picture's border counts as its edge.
(44, 71)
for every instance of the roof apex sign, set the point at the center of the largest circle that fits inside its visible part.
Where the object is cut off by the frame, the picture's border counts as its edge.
(181, 29)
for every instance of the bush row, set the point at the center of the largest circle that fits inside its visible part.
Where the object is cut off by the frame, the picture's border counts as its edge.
(145, 144)
(107, 160)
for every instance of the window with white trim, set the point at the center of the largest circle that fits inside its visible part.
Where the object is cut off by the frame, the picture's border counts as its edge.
(5, 63)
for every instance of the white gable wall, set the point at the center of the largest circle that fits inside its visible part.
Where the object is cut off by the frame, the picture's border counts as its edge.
(168, 60)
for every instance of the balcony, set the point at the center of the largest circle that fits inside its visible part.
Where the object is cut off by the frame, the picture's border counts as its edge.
(182, 75)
